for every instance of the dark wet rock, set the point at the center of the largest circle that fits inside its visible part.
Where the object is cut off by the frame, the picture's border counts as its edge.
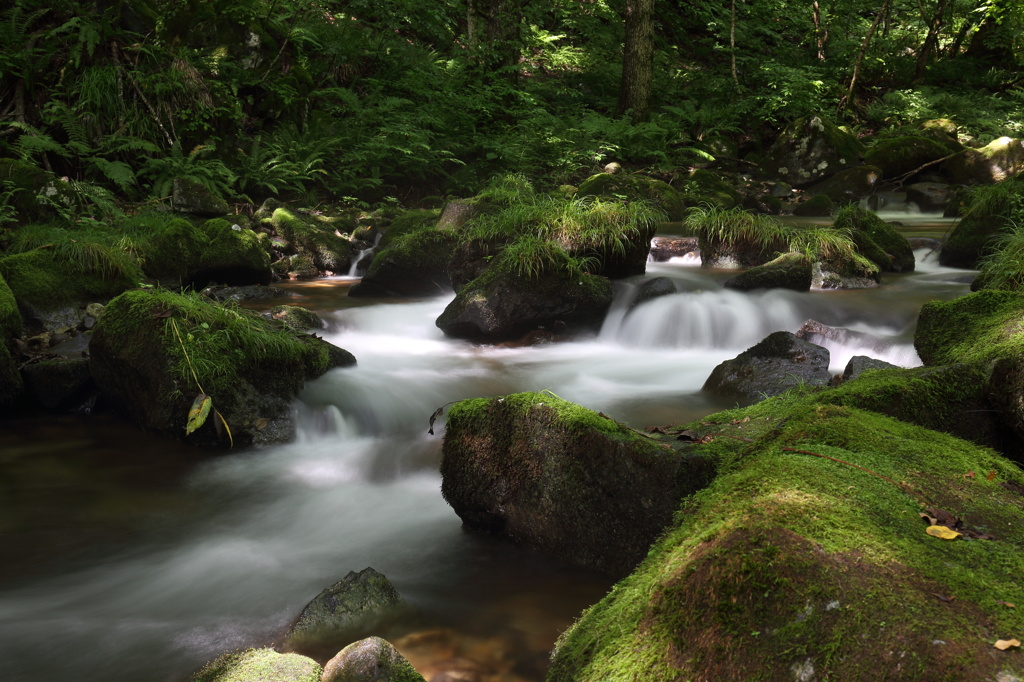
(988, 213)
(295, 317)
(370, 660)
(930, 197)
(848, 185)
(138, 362)
(10, 318)
(192, 197)
(788, 271)
(260, 665)
(923, 243)
(995, 162)
(414, 266)
(665, 248)
(779, 362)
(816, 207)
(651, 289)
(321, 243)
(355, 604)
(252, 292)
(57, 384)
(471, 259)
(820, 334)
(555, 476)
(501, 306)
(742, 252)
(809, 150)
(11, 386)
(859, 364)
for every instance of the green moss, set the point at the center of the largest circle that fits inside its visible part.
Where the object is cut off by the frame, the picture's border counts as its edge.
(408, 222)
(636, 187)
(791, 560)
(10, 319)
(570, 417)
(260, 665)
(990, 212)
(819, 207)
(28, 183)
(229, 248)
(328, 250)
(705, 187)
(899, 155)
(423, 250)
(173, 247)
(977, 328)
(44, 279)
(898, 256)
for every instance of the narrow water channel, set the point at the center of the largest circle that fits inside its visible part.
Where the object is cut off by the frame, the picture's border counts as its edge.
(126, 557)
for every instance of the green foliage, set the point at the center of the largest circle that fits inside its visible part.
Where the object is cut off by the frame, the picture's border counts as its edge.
(531, 257)
(211, 173)
(92, 249)
(1003, 268)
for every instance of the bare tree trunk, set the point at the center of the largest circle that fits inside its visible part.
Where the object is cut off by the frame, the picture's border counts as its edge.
(732, 44)
(845, 101)
(818, 36)
(931, 40)
(638, 60)
(492, 31)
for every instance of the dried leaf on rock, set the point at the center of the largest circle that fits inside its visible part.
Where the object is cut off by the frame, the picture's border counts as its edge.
(689, 436)
(1004, 644)
(942, 532)
(1006, 604)
(991, 475)
(942, 598)
(261, 423)
(969, 474)
(163, 314)
(198, 413)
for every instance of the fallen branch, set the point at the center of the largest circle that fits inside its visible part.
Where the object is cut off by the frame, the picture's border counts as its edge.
(900, 178)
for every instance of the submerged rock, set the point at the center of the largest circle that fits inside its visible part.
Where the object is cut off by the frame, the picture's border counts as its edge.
(666, 248)
(817, 333)
(556, 476)
(779, 362)
(788, 271)
(260, 665)
(651, 289)
(370, 660)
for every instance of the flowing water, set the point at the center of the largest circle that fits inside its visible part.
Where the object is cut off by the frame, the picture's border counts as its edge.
(130, 558)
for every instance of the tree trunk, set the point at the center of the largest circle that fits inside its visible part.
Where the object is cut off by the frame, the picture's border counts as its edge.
(492, 32)
(638, 60)
(732, 44)
(934, 26)
(818, 36)
(845, 101)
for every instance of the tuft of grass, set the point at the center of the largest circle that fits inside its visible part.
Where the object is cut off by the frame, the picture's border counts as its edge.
(90, 250)
(739, 225)
(531, 257)
(1003, 268)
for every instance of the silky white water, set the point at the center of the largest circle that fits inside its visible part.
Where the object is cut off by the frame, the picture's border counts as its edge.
(249, 538)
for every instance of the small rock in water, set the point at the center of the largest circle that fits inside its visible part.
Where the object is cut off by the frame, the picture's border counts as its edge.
(370, 660)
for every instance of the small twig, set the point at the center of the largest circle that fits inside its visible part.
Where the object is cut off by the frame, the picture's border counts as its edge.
(900, 178)
(152, 111)
(178, 334)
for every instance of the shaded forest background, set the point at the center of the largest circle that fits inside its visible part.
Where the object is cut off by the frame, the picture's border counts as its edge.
(391, 101)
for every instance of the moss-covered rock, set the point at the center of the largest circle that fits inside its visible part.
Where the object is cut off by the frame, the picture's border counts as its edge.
(346, 610)
(196, 198)
(820, 206)
(38, 195)
(319, 242)
(990, 212)
(151, 351)
(556, 476)
(180, 253)
(995, 162)
(775, 364)
(899, 255)
(260, 665)
(794, 566)
(657, 192)
(10, 319)
(811, 149)
(702, 186)
(850, 185)
(407, 223)
(978, 328)
(415, 265)
(296, 317)
(896, 156)
(788, 271)
(371, 660)
(842, 272)
(501, 305)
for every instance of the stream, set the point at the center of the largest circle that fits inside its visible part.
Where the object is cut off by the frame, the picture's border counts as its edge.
(127, 557)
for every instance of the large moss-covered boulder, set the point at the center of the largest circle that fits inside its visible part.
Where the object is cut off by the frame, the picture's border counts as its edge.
(705, 187)
(631, 186)
(38, 195)
(414, 266)
(260, 665)
(820, 206)
(558, 477)
(408, 222)
(848, 186)
(990, 212)
(774, 365)
(329, 252)
(196, 198)
(995, 162)
(503, 304)
(371, 660)
(791, 566)
(181, 253)
(154, 352)
(866, 226)
(788, 271)
(356, 603)
(897, 156)
(811, 149)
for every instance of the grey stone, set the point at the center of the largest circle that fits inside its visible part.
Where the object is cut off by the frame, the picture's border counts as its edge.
(653, 288)
(859, 364)
(370, 660)
(781, 361)
(788, 271)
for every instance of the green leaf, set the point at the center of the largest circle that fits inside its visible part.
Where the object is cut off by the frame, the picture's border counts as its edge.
(198, 413)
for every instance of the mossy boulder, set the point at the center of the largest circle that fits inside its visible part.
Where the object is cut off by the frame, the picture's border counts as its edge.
(151, 350)
(848, 186)
(702, 186)
(657, 192)
(260, 665)
(866, 225)
(990, 212)
(744, 251)
(794, 566)
(845, 272)
(180, 253)
(775, 364)
(458, 212)
(820, 206)
(189, 196)
(346, 610)
(995, 162)
(371, 660)
(408, 222)
(38, 196)
(561, 478)
(296, 317)
(319, 242)
(788, 271)
(897, 156)
(811, 149)
(414, 265)
(501, 305)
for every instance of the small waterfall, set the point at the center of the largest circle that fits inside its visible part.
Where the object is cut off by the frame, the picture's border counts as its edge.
(355, 269)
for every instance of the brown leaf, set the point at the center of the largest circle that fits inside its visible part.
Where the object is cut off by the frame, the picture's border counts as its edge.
(704, 440)
(991, 475)
(941, 598)
(163, 314)
(261, 423)
(1006, 604)
(688, 436)
(932, 521)
(969, 474)
(1004, 644)
(655, 429)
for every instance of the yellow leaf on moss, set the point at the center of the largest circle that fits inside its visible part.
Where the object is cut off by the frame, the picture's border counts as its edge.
(1004, 644)
(942, 532)
(198, 413)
